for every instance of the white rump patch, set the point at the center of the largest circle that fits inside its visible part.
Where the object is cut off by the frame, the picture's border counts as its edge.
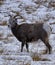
(47, 28)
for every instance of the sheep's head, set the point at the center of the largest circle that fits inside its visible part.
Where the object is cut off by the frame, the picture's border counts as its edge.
(12, 22)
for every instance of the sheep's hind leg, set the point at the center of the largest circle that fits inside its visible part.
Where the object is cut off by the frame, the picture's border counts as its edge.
(46, 42)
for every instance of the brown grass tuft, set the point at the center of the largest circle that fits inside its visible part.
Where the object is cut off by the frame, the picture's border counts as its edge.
(1, 2)
(36, 58)
(4, 23)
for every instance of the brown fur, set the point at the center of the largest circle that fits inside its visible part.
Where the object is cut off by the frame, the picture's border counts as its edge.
(31, 32)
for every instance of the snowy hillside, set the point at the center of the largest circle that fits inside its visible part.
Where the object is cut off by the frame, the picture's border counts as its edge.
(29, 11)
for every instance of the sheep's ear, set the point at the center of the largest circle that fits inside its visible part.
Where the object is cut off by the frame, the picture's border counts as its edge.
(11, 17)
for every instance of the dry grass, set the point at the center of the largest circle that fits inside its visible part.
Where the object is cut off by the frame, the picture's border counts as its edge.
(3, 38)
(27, 64)
(10, 35)
(45, 59)
(44, 52)
(52, 4)
(1, 50)
(1, 34)
(36, 58)
(9, 58)
(4, 23)
(1, 2)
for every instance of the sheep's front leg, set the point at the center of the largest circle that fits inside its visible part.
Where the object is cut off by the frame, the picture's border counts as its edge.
(27, 47)
(22, 47)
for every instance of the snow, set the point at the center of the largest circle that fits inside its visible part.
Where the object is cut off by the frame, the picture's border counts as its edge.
(53, 28)
(42, 63)
(29, 11)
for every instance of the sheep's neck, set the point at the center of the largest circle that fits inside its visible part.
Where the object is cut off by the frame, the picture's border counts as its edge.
(14, 30)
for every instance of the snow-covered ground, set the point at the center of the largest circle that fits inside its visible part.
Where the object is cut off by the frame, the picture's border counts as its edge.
(29, 11)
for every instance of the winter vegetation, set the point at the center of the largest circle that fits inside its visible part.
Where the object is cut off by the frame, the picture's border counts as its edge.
(29, 12)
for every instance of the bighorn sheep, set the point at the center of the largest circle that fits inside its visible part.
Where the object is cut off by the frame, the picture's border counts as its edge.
(29, 32)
